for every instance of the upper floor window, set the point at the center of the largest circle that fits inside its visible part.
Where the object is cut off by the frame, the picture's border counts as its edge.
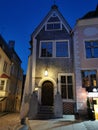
(5, 66)
(66, 86)
(62, 49)
(91, 49)
(2, 83)
(46, 49)
(53, 26)
(54, 49)
(89, 78)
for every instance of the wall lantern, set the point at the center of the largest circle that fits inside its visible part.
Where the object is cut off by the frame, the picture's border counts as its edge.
(46, 72)
(36, 89)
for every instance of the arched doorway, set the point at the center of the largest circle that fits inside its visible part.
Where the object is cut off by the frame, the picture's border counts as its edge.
(47, 93)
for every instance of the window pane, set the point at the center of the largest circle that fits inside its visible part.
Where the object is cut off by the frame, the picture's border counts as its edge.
(96, 52)
(69, 79)
(89, 78)
(85, 79)
(49, 26)
(93, 78)
(46, 49)
(49, 49)
(95, 43)
(2, 82)
(63, 79)
(70, 92)
(88, 53)
(63, 91)
(57, 26)
(61, 49)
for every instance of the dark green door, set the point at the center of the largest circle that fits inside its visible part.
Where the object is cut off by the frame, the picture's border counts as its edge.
(47, 93)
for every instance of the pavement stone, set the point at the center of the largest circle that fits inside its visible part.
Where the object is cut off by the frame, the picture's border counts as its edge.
(91, 125)
(62, 124)
(9, 121)
(12, 122)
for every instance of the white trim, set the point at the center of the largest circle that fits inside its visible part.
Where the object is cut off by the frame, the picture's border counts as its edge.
(49, 79)
(54, 48)
(53, 24)
(33, 63)
(59, 87)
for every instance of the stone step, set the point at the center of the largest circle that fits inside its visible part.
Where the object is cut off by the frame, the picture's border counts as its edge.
(45, 109)
(45, 112)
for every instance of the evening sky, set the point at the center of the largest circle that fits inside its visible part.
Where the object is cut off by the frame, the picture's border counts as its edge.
(19, 18)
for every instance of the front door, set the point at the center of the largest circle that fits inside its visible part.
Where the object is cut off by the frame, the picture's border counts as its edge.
(47, 93)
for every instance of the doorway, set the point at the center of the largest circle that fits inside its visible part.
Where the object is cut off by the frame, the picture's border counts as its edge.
(47, 93)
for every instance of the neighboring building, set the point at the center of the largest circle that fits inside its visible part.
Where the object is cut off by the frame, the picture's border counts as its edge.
(11, 76)
(50, 67)
(5, 64)
(86, 61)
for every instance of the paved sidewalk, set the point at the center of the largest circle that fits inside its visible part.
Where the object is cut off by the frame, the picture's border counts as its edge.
(62, 124)
(65, 123)
(9, 121)
(91, 125)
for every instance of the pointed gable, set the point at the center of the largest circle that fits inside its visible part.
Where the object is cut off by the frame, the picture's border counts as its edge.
(53, 21)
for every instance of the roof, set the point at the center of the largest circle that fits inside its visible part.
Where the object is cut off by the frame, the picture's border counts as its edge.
(7, 49)
(53, 8)
(4, 46)
(4, 76)
(91, 14)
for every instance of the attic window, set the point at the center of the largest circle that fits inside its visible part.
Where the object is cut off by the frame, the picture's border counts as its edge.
(53, 26)
(53, 23)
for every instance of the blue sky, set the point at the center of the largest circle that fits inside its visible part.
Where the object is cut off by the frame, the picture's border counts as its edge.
(19, 18)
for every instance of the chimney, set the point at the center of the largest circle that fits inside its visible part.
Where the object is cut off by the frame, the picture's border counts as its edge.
(11, 44)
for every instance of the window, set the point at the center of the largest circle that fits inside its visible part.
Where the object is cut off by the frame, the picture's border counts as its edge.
(46, 49)
(91, 49)
(53, 26)
(54, 49)
(89, 78)
(2, 82)
(5, 66)
(62, 49)
(66, 85)
(53, 23)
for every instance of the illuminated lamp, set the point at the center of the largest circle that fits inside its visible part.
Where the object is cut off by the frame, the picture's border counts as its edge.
(46, 72)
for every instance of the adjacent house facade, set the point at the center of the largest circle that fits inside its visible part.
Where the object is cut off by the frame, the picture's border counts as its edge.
(86, 60)
(11, 75)
(61, 60)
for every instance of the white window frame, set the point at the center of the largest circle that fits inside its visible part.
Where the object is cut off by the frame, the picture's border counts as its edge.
(54, 48)
(59, 84)
(53, 24)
